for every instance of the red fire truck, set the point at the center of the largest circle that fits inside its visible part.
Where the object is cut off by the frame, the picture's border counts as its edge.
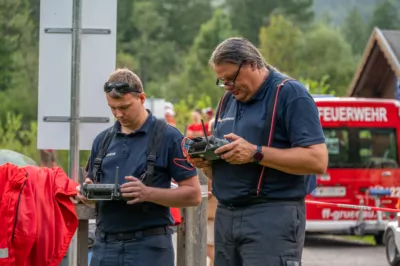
(362, 136)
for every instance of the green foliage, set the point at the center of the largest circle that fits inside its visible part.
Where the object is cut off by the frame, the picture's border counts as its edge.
(355, 31)
(157, 34)
(386, 16)
(338, 9)
(311, 54)
(317, 86)
(248, 16)
(278, 43)
(197, 77)
(184, 19)
(14, 137)
(168, 43)
(323, 50)
(63, 159)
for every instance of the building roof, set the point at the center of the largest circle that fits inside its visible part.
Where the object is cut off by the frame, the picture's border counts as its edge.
(380, 60)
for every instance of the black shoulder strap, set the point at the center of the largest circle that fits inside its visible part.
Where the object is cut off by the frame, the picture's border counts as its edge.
(221, 107)
(156, 140)
(102, 153)
(269, 130)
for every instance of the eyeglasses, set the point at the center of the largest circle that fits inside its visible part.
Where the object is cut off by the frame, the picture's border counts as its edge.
(120, 87)
(222, 83)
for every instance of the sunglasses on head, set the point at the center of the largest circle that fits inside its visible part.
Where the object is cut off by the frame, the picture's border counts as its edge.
(121, 87)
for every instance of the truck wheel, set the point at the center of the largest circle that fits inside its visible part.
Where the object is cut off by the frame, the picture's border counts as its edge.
(379, 238)
(392, 254)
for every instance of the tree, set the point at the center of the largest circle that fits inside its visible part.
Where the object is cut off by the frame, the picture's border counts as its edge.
(248, 16)
(197, 77)
(154, 35)
(278, 43)
(355, 31)
(184, 19)
(323, 50)
(18, 60)
(151, 57)
(385, 16)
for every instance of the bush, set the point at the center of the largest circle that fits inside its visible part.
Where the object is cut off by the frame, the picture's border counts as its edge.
(14, 136)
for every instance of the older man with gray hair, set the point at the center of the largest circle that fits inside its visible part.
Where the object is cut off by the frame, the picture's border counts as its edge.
(276, 147)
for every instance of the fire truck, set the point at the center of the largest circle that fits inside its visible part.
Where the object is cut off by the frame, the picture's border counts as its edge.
(362, 136)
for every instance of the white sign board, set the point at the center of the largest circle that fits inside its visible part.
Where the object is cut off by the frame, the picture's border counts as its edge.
(98, 55)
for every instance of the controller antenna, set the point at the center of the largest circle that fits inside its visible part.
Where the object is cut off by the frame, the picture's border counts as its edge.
(204, 130)
(116, 181)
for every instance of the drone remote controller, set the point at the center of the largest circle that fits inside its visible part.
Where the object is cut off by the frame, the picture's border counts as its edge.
(103, 191)
(204, 147)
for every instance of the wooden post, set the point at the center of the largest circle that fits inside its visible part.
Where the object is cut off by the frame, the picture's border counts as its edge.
(84, 214)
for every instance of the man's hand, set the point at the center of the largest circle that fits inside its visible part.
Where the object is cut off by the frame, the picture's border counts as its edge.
(210, 194)
(239, 151)
(135, 190)
(199, 162)
(83, 199)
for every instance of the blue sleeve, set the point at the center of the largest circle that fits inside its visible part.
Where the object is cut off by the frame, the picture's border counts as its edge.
(301, 118)
(179, 168)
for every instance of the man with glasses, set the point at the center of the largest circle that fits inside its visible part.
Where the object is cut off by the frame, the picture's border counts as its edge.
(269, 166)
(136, 231)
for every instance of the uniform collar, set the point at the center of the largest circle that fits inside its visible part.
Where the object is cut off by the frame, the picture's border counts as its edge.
(260, 94)
(144, 128)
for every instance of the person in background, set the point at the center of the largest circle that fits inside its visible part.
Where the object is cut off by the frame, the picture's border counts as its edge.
(48, 158)
(208, 116)
(169, 114)
(195, 129)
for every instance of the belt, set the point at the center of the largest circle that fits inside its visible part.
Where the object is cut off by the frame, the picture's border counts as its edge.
(258, 200)
(163, 230)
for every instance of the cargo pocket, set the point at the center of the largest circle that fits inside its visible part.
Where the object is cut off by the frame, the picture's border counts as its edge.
(293, 220)
(296, 225)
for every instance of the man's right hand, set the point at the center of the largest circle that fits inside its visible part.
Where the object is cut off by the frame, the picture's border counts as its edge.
(83, 199)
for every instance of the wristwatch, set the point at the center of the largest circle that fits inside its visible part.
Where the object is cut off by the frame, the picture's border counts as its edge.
(258, 155)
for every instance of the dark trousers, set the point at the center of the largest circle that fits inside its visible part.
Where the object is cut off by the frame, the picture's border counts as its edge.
(270, 234)
(145, 251)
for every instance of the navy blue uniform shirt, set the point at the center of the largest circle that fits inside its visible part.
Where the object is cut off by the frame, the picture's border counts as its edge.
(129, 153)
(297, 125)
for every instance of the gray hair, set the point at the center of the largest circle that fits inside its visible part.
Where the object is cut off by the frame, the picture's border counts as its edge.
(236, 50)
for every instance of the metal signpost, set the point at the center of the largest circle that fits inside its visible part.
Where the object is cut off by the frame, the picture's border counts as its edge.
(77, 52)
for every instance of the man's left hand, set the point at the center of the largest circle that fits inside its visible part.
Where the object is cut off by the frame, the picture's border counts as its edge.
(239, 151)
(135, 190)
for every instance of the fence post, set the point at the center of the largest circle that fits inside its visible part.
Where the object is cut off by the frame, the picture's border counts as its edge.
(192, 233)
